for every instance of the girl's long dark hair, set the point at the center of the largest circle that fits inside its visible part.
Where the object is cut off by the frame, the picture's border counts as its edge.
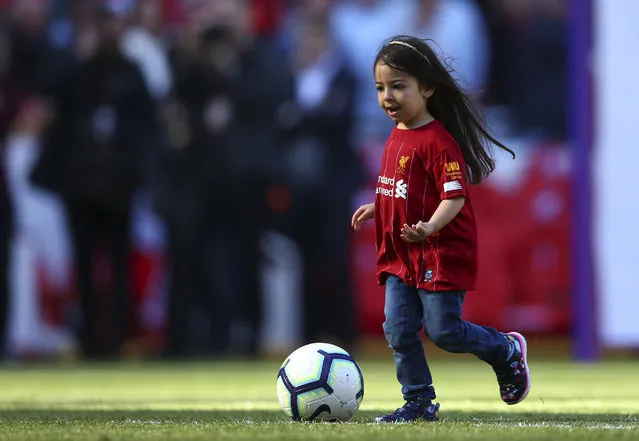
(449, 104)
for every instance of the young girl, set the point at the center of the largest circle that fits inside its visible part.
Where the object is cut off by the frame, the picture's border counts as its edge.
(425, 227)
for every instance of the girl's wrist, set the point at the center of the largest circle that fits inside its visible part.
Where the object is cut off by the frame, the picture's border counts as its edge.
(435, 226)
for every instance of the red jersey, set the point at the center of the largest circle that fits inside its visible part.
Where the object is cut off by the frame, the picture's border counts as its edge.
(420, 168)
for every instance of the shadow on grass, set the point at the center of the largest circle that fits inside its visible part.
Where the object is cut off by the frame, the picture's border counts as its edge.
(233, 416)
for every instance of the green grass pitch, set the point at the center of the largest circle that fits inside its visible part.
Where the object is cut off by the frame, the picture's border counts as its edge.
(235, 400)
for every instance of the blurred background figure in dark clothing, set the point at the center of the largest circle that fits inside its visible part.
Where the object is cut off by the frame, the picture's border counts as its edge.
(226, 121)
(12, 96)
(30, 46)
(142, 43)
(93, 158)
(324, 174)
(529, 48)
(188, 194)
(541, 40)
(261, 90)
(5, 240)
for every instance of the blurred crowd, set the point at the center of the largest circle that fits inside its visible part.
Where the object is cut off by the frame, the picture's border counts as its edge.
(240, 126)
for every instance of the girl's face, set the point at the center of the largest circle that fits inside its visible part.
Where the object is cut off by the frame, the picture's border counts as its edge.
(401, 96)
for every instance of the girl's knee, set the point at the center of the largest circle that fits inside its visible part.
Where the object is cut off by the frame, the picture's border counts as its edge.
(399, 336)
(446, 337)
(391, 333)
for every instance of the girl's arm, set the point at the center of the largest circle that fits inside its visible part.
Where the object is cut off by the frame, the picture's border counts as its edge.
(446, 211)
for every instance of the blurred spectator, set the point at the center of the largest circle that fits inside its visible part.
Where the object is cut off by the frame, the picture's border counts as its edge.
(29, 40)
(231, 92)
(324, 174)
(12, 96)
(262, 93)
(529, 63)
(292, 21)
(143, 45)
(542, 65)
(459, 32)
(5, 241)
(74, 16)
(23, 118)
(36, 62)
(93, 159)
(361, 27)
(187, 192)
(40, 252)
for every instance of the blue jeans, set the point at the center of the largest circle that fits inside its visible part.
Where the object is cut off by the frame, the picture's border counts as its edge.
(407, 309)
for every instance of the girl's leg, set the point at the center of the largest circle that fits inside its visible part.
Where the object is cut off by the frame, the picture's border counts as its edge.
(403, 311)
(506, 353)
(446, 328)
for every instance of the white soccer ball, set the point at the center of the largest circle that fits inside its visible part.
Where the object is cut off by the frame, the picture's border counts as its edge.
(320, 382)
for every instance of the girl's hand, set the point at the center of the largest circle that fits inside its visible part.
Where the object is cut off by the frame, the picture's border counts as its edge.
(361, 215)
(418, 232)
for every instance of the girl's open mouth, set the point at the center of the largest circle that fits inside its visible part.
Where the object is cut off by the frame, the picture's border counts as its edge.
(392, 111)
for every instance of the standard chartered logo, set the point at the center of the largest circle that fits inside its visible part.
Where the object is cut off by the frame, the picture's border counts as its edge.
(400, 189)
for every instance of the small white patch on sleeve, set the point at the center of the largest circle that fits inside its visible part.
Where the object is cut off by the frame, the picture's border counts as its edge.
(452, 186)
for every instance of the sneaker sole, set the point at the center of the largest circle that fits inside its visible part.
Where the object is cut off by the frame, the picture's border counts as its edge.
(524, 356)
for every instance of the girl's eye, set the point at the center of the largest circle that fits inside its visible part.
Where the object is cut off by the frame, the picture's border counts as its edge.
(379, 88)
(398, 86)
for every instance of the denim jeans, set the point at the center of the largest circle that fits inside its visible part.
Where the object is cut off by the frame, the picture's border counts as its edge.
(407, 309)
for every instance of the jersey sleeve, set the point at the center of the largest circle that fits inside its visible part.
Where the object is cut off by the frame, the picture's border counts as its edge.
(449, 174)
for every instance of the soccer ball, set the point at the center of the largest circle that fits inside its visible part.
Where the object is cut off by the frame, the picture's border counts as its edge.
(320, 382)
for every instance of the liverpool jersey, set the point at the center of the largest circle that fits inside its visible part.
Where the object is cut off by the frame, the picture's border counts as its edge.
(420, 168)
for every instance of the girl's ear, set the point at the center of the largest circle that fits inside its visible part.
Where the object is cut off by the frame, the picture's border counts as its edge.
(428, 93)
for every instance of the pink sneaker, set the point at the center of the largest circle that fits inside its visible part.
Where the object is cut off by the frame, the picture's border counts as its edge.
(514, 376)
